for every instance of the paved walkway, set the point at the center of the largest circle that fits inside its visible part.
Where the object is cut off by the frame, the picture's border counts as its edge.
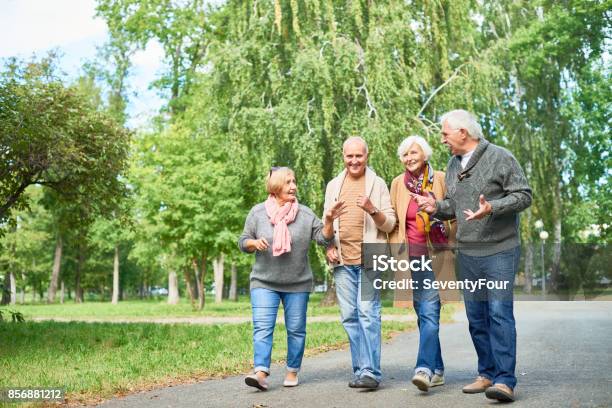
(564, 360)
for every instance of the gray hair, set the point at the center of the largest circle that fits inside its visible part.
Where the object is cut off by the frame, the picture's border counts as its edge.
(462, 119)
(409, 141)
(355, 139)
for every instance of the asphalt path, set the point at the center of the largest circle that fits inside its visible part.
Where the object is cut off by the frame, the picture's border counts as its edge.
(564, 360)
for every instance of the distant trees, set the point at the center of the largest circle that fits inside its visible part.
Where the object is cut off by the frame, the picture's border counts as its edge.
(254, 84)
(52, 135)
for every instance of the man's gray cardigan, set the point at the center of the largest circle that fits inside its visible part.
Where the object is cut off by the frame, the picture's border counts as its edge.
(493, 172)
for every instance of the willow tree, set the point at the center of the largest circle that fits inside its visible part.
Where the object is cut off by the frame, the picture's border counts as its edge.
(287, 82)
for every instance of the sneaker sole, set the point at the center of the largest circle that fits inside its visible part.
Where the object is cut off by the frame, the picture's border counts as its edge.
(497, 394)
(473, 391)
(420, 384)
(252, 382)
(437, 384)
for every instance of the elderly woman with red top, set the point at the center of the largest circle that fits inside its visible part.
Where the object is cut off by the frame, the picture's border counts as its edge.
(417, 236)
(279, 232)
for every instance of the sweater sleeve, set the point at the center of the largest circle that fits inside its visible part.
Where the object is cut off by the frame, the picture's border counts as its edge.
(386, 208)
(516, 188)
(249, 231)
(445, 208)
(327, 205)
(317, 232)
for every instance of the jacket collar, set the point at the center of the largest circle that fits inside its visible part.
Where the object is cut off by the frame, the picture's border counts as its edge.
(480, 149)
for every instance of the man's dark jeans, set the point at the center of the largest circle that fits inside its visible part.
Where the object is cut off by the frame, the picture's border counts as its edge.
(490, 313)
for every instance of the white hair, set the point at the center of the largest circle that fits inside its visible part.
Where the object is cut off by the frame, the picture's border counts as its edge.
(409, 141)
(462, 119)
(355, 139)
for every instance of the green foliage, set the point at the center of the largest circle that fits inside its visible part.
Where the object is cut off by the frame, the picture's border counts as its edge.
(254, 84)
(53, 136)
(105, 359)
(16, 317)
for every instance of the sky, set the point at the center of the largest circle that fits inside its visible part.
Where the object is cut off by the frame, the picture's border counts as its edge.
(34, 27)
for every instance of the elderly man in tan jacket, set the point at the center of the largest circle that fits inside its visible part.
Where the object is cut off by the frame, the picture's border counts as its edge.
(368, 219)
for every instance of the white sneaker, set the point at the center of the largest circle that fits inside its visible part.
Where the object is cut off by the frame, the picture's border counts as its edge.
(436, 380)
(422, 381)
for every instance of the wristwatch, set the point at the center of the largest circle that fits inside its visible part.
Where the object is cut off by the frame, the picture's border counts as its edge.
(374, 211)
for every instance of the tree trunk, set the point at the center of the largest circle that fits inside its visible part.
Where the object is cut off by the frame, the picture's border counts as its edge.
(556, 261)
(62, 291)
(55, 272)
(173, 293)
(13, 289)
(201, 276)
(115, 299)
(190, 287)
(78, 290)
(556, 210)
(6, 290)
(330, 295)
(233, 291)
(218, 272)
(23, 288)
(528, 267)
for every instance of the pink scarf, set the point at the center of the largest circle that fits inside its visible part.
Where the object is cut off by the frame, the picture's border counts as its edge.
(280, 217)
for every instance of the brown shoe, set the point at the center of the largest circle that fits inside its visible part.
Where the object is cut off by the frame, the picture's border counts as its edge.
(480, 385)
(500, 392)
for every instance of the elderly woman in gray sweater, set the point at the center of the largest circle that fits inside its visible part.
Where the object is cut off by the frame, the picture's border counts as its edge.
(279, 231)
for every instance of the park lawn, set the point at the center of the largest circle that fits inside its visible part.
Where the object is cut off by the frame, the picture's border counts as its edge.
(159, 309)
(96, 361)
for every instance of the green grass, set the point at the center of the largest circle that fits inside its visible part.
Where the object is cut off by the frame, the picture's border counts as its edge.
(159, 309)
(94, 361)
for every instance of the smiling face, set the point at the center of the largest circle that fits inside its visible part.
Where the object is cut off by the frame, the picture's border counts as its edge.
(355, 158)
(455, 139)
(414, 159)
(288, 190)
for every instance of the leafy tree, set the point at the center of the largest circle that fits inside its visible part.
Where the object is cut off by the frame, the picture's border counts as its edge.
(51, 135)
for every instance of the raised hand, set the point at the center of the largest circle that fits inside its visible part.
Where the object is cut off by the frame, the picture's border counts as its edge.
(332, 254)
(425, 203)
(336, 211)
(484, 209)
(365, 204)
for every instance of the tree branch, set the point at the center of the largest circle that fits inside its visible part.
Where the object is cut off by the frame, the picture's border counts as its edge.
(438, 89)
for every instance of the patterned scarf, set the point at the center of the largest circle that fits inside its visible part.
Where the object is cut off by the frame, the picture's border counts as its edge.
(433, 228)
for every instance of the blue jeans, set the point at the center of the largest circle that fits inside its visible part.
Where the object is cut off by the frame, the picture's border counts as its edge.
(360, 318)
(264, 303)
(490, 313)
(427, 307)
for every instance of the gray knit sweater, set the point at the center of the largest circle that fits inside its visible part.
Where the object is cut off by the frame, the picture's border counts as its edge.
(289, 272)
(493, 172)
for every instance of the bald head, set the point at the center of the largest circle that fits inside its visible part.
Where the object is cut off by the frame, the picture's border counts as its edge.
(355, 140)
(355, 154)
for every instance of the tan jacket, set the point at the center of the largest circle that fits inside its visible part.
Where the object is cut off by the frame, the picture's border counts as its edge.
(443, 262)
(376, 189)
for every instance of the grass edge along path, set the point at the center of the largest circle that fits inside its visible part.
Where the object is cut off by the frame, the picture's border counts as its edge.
(98, 361)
